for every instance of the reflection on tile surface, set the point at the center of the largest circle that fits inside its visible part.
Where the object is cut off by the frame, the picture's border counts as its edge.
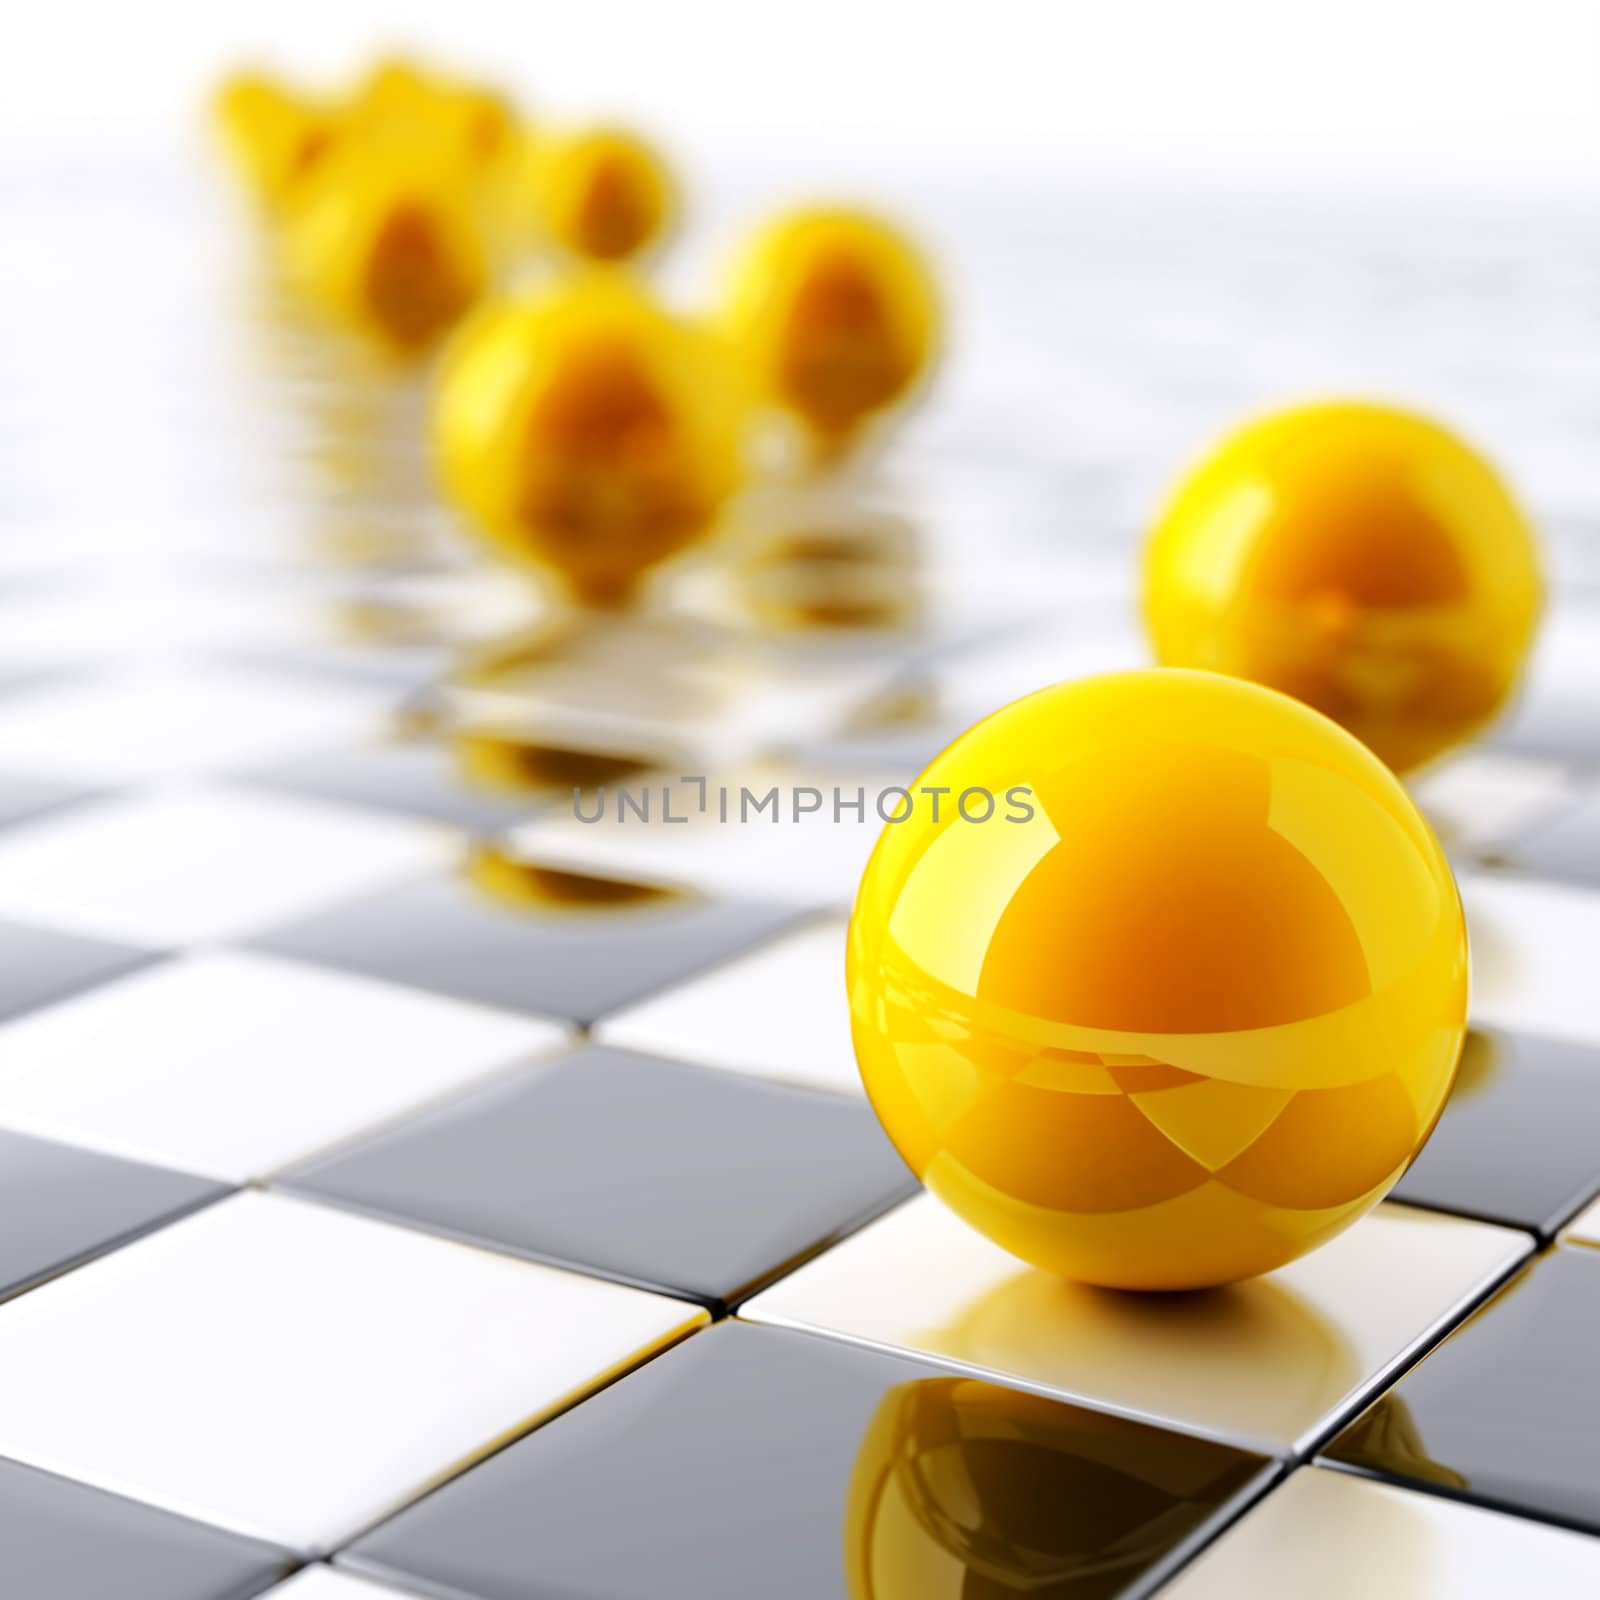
(1269, 1363)
(188, 864)
(23, 796)
(234, 1064)
(1567, 846)
(59, 1205)
(752, 1461)
(1519, 1141)
(325, 1583)
(64, 1541)
(1478, 800)
(296, 1372)
(1506, 1411)
(39, 965)
(651, 1171)
(560, 944)
(1532, 955)
(779, 1012)
(1329, 1536)
(1585, 1227)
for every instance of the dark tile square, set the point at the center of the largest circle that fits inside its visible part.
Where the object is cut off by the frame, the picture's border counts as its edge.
(1565, 846)
(676, 1177)
(1519, 1140)
(506, 933)
(1506, 1412)
(38, 965)
(65, 1541)
(60, 1205)
(753, 1461)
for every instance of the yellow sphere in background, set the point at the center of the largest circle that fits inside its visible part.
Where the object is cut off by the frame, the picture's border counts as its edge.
(1190, 1015)
(388, 239)
(604, 195)
(589, 433)
(1360, 558)
(275, 138)
(837, 315)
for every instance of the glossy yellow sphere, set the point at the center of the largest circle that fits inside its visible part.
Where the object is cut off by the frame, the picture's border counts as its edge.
(1360, 558)
(1183, 1005)
(837, 315)
(589, 433)
(604, 195)
(387, 238)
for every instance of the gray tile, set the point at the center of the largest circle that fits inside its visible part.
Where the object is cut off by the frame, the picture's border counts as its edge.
(38, 965)
(23, 796)
(59, 1205)
(1519, 1140)
(670, 1176)
(64, 1541)
(752, 1461)
(1506, 1412)
(1567, 846)
(510, 934)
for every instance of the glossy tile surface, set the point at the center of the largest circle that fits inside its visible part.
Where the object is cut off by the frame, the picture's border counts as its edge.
(190, 864)
(1479, 800)
(661, 1174)
(59, 1205)
(296, 1372)
(1326, 1535)
(127, 727)
(558, 944)
(1532, 955)
(1506, 1412)
(327, 1583)
(1585, 1227)
(23, 795)
(779, 1012)
(752, 1461)
(39, 965)
(1566, 847)
(64, 1541)
(234, 1064)
(1519, 1140)
(1267, 1363)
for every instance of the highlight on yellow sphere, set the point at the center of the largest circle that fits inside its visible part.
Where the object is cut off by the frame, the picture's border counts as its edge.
(1359, 557)
(390, 241)
(275, 138)
(1172, 988)
(837, 314)
(589, 433)
(604, 195)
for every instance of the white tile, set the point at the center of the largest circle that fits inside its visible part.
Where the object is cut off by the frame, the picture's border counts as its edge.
(233, 1065)
(1325, 1535)
(1483, 798)
(325, 1583)
(185, 865)
(1267, 1364)
(1585, 1227)
(297, 1372)
(172, 722)
(780, 1012)
(1533, 946)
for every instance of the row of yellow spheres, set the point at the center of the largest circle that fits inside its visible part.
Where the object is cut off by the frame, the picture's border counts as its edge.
(1362, 559)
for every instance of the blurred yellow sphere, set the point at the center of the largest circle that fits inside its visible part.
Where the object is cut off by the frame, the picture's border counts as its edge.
(837, 314)
(275, 138)
(604, 195)
(1360, 558)
(389, 240)
(1173, 988)
(589, 433)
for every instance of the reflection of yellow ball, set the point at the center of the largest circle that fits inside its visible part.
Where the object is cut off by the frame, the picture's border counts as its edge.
(605, 195)
(837, 314)
(1187, 1019)
(961, 1488)
(1362, 559)
(590, 433)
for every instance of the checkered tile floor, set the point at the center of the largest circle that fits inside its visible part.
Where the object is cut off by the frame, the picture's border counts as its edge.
(411, 1190)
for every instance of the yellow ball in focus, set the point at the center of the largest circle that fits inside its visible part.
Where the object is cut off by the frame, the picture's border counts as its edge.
(1360, 558)
(589, 434)
(605, 195)
(837, 315)
(1192, 1015)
